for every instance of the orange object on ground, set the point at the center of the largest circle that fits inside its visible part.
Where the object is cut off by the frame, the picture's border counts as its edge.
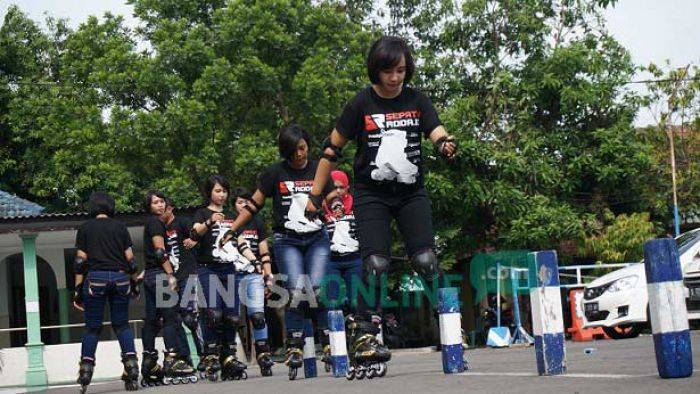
(578, 333)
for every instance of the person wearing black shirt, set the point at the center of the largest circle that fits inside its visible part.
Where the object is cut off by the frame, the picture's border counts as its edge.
(253, 237)
(105, 271)
(215, 270)
(178, 246)
(301, 246)
(159, 272)
(346, 264)
(387, 121)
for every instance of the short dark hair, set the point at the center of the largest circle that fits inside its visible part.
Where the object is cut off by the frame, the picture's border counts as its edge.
(244, 193)
(169, 202)
(386, 53)
(149, 197)
(289, 137)
(101, 203)
(211, 182)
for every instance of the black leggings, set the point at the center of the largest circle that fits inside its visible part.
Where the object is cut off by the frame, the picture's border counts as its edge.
(374, 211)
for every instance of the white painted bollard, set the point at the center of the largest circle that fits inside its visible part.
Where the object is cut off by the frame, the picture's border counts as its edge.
(339, 349)
(667, 309)
(309, 350)
(547, 313)
(450, 330)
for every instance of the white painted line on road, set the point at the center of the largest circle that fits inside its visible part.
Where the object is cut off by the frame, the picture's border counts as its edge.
(567, 375)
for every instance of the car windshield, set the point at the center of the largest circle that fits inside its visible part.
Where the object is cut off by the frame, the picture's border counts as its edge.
(686, 240)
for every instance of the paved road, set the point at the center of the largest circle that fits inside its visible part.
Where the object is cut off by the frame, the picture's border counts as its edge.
(626, 366)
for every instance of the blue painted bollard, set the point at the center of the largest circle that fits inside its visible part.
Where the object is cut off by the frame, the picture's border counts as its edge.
(450, 330)
(339, 349)
(668, 314)
(547, 313)
(309, 350)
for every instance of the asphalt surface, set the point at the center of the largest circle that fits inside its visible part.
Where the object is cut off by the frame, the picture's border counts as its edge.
(625, 366)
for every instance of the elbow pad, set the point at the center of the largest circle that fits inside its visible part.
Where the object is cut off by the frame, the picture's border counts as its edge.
(253, 209)
(194, 235)
(80, 266)
(337, 152)
(132, 267)
(161, 256)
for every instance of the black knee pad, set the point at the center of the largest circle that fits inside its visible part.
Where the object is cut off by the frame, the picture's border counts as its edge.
(425, 263)
(212, 318)
(258, 320)
(376, 265)
(190, 320)
(232, 321)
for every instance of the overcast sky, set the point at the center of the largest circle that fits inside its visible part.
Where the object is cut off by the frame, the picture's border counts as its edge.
(652, 30)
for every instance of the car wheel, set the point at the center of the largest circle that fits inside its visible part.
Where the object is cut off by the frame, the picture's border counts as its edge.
(623, 331)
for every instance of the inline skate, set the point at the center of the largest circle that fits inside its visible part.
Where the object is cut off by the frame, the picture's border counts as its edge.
(87, 366)
(130, 376)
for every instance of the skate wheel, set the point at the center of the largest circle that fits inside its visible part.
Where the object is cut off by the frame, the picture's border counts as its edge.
(350, 375)
(327, 367)
(165, 382)
(371, 372)
(143, 383)
(292, 373)
(244, 376)
(213, 377)
(360, 374)
(382, 370)
(193, 379)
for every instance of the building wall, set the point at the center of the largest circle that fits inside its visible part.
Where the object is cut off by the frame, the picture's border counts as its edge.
(50, 246)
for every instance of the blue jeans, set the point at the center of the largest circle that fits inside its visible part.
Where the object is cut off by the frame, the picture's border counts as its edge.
(219, 303)
(347, 271)
(303, 258)
(251, 290)
(100, 288)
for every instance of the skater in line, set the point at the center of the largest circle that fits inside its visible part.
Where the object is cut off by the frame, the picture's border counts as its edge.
(219, 318)
(387, 121)
(179, 246)
(253, 237)
(345, 267)
(105, 273)
(160, 272)
(301, 246)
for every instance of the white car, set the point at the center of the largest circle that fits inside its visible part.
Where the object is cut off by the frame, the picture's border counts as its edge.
(618, 301)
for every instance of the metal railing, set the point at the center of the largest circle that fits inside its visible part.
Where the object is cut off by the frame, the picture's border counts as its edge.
(133, 323)
(579, 268)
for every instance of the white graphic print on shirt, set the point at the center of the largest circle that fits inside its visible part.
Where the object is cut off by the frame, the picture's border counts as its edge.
(295, 193)
(342, 242)
(391, 161)
(173, 249)
(228, 253)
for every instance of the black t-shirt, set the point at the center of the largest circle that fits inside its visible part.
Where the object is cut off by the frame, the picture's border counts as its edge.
(154, 227)
(254, 233)
(388, 135)
(104, 240)
(207, 243)
(182, 260)
(289, 189)
(343, 235)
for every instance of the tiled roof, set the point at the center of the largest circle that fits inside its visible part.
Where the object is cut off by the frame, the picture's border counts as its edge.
(12, 206)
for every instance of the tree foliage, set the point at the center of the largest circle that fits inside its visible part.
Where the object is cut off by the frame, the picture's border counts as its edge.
(534, 91)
